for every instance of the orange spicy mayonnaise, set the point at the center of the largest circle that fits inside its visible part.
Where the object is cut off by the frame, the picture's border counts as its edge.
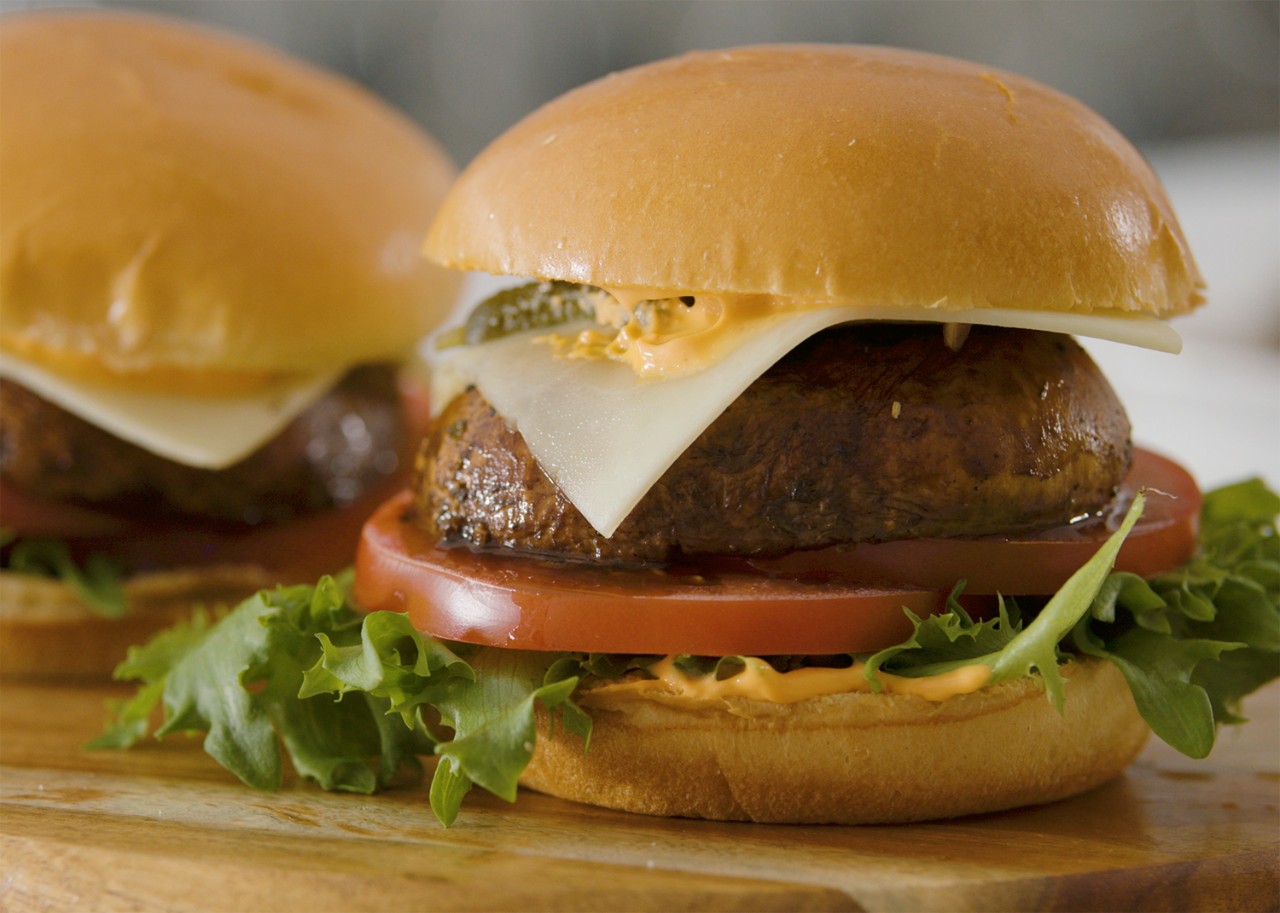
(677, 334)
(662, 333)
(760, 681)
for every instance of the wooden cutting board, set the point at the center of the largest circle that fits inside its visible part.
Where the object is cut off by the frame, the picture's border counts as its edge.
(162, 827)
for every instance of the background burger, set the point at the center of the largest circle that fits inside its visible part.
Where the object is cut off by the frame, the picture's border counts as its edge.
(783, 493)
(208, 276)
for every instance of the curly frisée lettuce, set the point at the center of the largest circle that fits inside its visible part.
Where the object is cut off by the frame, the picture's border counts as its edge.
(346, 695)
(356, 699)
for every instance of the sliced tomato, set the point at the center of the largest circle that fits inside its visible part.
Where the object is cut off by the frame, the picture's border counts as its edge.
(795, 604)
(297, 552)
(512, 601)
(32, 515)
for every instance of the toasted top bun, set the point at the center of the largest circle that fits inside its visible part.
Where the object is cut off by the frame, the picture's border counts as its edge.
(179, 200)
(858, 175)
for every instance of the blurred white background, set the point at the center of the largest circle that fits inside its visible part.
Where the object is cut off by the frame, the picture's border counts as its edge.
(1196, 84)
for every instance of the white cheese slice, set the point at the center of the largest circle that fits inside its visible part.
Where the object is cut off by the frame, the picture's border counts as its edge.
(605, 436)
(208, 432)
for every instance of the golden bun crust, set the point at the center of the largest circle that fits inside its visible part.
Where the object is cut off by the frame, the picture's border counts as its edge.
(47, 631)
(859, 175)
(849, 758)
(178, 198)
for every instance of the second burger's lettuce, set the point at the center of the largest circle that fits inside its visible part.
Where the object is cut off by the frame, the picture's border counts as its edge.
(98, 580)
(354, 699)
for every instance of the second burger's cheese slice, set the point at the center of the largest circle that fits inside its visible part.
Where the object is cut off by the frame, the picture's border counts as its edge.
(208, 432)
(605, 436)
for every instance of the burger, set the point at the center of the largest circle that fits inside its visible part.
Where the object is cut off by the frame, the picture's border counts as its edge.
(208, 279)
(772, 484)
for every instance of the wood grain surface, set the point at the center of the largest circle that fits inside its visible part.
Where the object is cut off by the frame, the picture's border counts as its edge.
(163, 827)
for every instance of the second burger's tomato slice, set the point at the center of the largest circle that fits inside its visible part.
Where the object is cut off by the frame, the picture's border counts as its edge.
(295, 552)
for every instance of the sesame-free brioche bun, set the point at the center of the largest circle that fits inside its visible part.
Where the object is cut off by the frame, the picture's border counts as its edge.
(858, 175)
(178, 200)
(188, 211)
(855, 758)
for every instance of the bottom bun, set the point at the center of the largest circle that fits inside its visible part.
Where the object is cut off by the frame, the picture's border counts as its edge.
(47, 631)
(848, 758)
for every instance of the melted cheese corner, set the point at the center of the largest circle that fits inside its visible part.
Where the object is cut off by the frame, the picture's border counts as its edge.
(207, 432)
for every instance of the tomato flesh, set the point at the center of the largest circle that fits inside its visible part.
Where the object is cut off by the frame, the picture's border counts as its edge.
(37, 517)
(533, 604)
(298, 551)
(793, 605)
